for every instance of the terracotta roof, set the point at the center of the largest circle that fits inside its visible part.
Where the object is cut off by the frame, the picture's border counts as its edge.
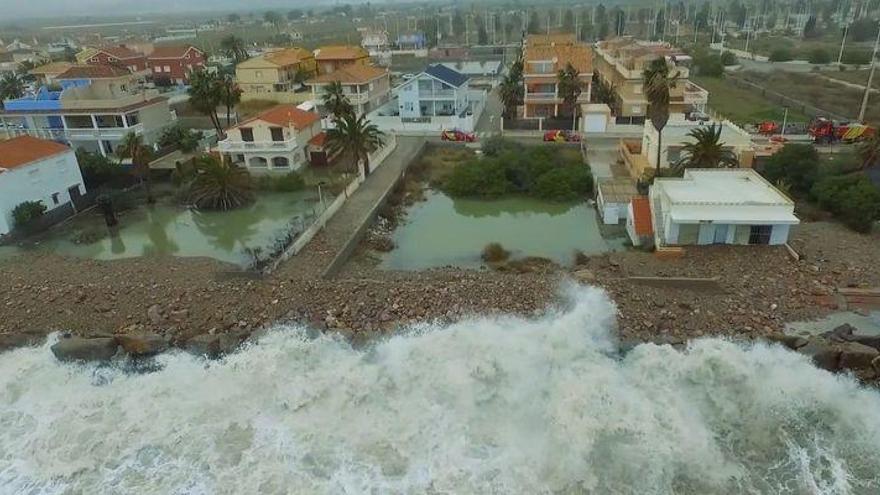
(120, 52)
(288, 56)
(350, 74)
(318, 139)
(579, 55)
(550, 39)
(340, 52)
(22, 150)
(176, 51)
(51, 68)
(94, 72)
(642, 216)
(284, 115)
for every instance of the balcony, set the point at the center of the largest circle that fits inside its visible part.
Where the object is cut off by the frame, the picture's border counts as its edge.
(541, 97)
(109, 103)
(228, 146)
(86, 134)
(435, 95)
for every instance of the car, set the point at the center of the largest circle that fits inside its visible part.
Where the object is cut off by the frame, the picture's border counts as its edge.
(561, 136)
(458, 136)
(698, 117)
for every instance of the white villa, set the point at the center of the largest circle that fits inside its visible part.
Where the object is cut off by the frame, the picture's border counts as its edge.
(719, 206)
(33, 169)
(438, 91)
(676, 135)
(277, 140)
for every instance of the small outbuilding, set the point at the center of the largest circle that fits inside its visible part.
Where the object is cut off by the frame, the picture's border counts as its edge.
(613, 197)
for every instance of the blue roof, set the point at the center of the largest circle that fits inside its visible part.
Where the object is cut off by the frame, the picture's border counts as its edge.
(446, 75)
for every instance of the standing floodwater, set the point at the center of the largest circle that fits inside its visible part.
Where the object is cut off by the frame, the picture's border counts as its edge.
(499, 405)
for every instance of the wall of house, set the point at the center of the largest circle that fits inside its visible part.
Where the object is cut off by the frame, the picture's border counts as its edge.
(38, 182)
(135, 64)
(688, 233)
(779, 235)
(154, 119)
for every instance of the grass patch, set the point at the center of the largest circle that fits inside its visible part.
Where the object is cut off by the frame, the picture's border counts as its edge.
(743, 106)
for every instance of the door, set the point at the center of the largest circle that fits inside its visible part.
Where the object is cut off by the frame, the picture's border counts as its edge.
(720, 234)
(76, 198)
(760, 234)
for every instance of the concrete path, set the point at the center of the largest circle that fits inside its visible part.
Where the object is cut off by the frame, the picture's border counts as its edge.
(490, 120)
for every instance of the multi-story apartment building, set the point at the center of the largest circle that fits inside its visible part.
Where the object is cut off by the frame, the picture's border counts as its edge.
(94, 109)
(366, 87)
(277, 76)
(175, 63)
(331, 58)
(543, 57)
(620, 63)
(276, 140)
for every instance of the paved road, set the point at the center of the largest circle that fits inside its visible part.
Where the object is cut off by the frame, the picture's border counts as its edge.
(490, 120)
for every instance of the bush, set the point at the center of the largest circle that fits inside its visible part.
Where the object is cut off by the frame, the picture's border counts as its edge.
(819, 56)
(780, 55)
(186, 140)
(857, 57)
(496, 144)
(708, 64)
(98, 170)
(290, 182)
(853, 199)
(478, 178)
(495, 253)
(795, 164)
(25, 213)
(728, 58)
(564, 184)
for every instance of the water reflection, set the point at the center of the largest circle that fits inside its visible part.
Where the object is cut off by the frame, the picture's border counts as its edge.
(478, 208)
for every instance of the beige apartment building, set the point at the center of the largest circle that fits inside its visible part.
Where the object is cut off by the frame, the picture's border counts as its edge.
(543, 57)
(367, 87)
(619, 64)
(277, 76)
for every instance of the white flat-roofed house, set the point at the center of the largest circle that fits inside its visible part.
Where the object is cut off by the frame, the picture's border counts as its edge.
(33, 169)
(720, 206)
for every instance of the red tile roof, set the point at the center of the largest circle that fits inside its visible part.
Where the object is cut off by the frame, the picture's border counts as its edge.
(284, 115)
(93, 72)
(120, 52)
(642, 216)
(318, 139)
(172, 51)
(351, 74)
(22, 150)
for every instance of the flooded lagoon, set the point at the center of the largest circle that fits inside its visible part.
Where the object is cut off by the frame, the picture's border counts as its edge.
(443, 231)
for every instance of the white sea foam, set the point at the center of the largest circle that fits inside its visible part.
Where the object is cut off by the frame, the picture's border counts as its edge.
(489, 405)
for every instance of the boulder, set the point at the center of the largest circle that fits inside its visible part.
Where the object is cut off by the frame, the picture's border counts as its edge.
(868, 340)
(204, 345)
(13, 340)
(855, 356)
(145, 344)
(81, 349)
(584, 276)
(823, 353)
(793, 342)
(841, 333)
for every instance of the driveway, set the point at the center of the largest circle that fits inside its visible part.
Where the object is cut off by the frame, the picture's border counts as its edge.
(602, 153)
(490, 120)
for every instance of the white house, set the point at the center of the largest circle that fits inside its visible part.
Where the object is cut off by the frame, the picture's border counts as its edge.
(33, 169)
(676, 135)
(720, 206)
(276, 140)
(613, 197)
(438, 91)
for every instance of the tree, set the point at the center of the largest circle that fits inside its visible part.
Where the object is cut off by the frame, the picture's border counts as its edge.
(205, 96)
(230, 95)
(657, 84)
(660, 23)
(780, 55)
(706, 150)
(273, 18)
(619, 17)
(811, 31)
(863, 29)
(458, 24)
(24, 69)
(220, 186)
(356, 136)
(819, 56)
(511, 90)
(482, 35)
(294, 14)
(869, 150)
(534, 26)
(796, 164)
(132, 146)
(569, 87)
(852, 198)
(27, 212)
(234, 47)
(335, 101)
(233, 18)
(11, 87)
(601, 22)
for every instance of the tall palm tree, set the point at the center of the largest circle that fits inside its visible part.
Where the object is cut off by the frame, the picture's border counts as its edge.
(234, 47)
(511, 90)
(230, 95)
(335, 101)
(569, 87)
(706, 150)
(132, 146)
(11, 87)
(657, 84)
(357, 136)
(205, 95)
(220, 186)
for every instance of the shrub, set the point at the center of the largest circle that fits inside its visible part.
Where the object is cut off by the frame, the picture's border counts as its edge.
(856, 57)
(478, 178)
(98, 170)
(728, 58)
(851, 198)
(564, 184)
(780, 55)
(495, 253)
(708, 64)
(25, 213)
(819, 56)
(186, 140)
(290, 182)
(496, 144)
(796, 164)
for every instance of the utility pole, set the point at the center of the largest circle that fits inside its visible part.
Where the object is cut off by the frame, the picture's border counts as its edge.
(467, 30)
(870, 77)
(843, 42)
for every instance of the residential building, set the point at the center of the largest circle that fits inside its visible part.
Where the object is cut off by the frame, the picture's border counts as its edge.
(331, 58)
(120, 56)
(613, 196)
(619, 64)
(375, 42)
(543, 57)
(411, 41)
(175, 63)
(480, 73)
(366, 87)
(47, 73)
(719, 206)
(276, 76)
(677, 132)
(34, 169)
(437, 91)
(95, 107)
(276, 140)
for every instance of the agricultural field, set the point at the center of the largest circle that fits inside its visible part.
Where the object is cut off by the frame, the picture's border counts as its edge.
(741, 105)
(859, 76)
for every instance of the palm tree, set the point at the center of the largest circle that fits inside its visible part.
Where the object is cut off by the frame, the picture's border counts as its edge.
(234, 47)
(569, 87)
(657, 83)
(335, 101)
(706, 150)
(219, 185)
(355, 135)
(511, 90)
(132, 146)
(205, 95)
(870, 151)
(11, 87)
(230, 95)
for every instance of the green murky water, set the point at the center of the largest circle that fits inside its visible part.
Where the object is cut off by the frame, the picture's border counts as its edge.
(171, 230)
(443, 231)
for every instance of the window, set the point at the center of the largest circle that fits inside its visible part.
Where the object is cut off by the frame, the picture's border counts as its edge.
(132, 119)
(247, 134)
(277, 133)
(167, 68)
(760, 234)
(55, 200)
(239, 158)
(157, 69)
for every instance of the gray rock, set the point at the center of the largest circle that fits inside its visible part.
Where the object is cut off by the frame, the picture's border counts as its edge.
(842, 333)
(147, 344)
(154, 313)
(793, 342)
(204, 345)
(870, 341)
(855, 356)
(80, 349)
(13, 340)
(824, 355)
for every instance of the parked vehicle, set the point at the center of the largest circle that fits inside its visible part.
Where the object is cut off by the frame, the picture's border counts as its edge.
(698, 117)
(561, 136)
(826, 131)
(458, 136)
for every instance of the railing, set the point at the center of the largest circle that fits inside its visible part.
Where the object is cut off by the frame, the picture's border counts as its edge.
(89, 133)
(286, 146)
(73, 102)
(437, 94)
(541, 96)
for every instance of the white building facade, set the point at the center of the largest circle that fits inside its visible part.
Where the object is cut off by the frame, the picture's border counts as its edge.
(437, 92)
(33, 169)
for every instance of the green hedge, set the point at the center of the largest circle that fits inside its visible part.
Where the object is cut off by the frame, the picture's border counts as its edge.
(25, 213)
(853, 199)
